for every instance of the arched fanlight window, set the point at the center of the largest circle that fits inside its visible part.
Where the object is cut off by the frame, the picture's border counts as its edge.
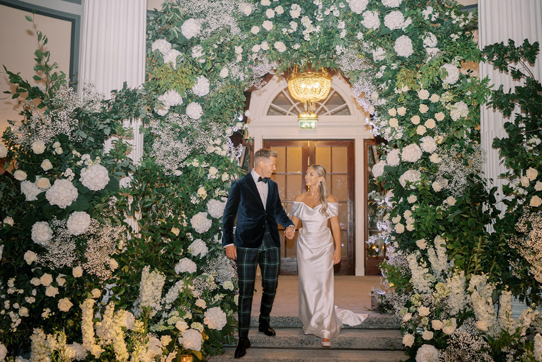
(285, 105)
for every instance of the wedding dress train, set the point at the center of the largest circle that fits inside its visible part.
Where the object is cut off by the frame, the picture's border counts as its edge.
(317, 311)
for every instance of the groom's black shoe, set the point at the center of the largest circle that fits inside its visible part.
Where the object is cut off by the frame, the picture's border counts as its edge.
(242, 346)
(267, 330)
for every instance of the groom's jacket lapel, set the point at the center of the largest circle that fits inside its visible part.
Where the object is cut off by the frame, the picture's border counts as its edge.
(252, 186)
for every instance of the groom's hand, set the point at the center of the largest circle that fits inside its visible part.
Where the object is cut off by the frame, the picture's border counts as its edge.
(231, 252)
(289, 232)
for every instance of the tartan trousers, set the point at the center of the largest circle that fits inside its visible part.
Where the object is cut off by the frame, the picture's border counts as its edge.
(268, 257)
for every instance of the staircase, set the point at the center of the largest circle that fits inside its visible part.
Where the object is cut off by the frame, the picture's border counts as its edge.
(377, 339)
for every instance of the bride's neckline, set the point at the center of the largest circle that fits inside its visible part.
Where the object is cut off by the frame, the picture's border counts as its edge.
(314, 208)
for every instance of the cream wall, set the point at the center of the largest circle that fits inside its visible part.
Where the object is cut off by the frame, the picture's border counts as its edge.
(18, 42)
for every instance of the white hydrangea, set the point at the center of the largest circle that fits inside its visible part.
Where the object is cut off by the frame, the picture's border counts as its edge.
(224, 72)
(215, 318)
(358, 6)
(171, 57)
(30, 190)
(41, 233)
(428, 144)
(391, 3)
(379, 54)
(216, 208)
(412, 176)
(191, 339)
(280, 46)
(198, 248)
(194, 110)
(38, 147)
(95, 177)
(171, 98)
(429, 40)
(459, 110)
(394, 20)
(162, 45)
(62, 193)
(3, 150)
(453, 73)
(186, 265)
(378, 169)
(411, 153)
(78, 222)
(427, 353)
(403, 46)
(393, 158)
(371, 20)
(200, 222)
(201, 88)
(191, 28)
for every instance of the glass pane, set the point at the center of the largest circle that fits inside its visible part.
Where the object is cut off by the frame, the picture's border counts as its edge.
(343, 215)
(340, 160)
(339, 186)
(281, 183)
(294, 186)
(373, 214)
(323, 157)
(294, 159)
(344, 244)
(276, 111)
(280, 158)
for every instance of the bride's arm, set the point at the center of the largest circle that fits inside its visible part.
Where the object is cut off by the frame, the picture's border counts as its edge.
(336, 229)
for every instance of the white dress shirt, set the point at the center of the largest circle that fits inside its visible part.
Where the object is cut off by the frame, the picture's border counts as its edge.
(263, 188)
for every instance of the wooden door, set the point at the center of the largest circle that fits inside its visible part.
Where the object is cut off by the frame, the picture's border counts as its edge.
(337, 157)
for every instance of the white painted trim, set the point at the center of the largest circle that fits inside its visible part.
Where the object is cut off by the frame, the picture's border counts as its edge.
(353, 127)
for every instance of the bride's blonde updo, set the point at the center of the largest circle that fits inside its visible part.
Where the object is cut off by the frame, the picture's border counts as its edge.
(322, 188)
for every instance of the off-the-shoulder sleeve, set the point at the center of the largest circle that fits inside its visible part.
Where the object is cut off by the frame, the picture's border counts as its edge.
(296, 209)
(332, 209)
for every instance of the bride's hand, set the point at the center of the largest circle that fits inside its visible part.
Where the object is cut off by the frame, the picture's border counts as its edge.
(337, 256)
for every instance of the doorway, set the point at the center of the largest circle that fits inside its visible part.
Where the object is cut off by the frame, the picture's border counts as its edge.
(337, 157)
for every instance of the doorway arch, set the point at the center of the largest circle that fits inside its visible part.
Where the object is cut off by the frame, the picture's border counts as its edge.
(262, 126)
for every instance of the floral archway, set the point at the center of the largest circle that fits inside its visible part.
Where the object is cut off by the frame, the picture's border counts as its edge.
(168, 289)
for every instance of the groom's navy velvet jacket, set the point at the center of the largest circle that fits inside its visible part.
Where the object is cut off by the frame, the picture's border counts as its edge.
(244, 202)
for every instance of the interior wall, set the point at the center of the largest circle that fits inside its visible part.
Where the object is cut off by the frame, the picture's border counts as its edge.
(18, 42)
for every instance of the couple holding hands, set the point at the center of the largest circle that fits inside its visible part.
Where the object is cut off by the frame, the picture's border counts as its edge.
(254, 200)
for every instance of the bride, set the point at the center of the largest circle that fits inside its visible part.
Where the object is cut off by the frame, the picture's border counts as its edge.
(317, 251)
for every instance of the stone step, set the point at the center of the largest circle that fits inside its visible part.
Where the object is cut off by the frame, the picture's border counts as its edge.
(360, 339)
(310, 355)
(373, 321)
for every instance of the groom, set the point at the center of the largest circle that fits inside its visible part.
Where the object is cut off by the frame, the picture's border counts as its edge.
(255, 200)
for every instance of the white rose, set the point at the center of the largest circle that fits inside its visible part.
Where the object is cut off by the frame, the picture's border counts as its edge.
(43, 183)
(538, 186)
(64, 304)
(525, 181)
(38, 147)
(265, 46)
(30, 257)
(421, 130)
(437, 325)
(9, 221)
(481, 325)
(247, 10)
(77, 272)
(19, 175)
(267, 25)
(399, 228)
(401, 111)
(394, 122)
(423, 108)
(439, 116)
(421, 244)
(415, 119)
(96, 293)
(424, 311)
(412, 199)
(423, 94)
(407, 317)
(427, 335)
(46, 279)
(430, 123)
(270, 13)
(434, 98)
(41, 233)
(201, 303)
(535, 201)
(256, 48)
(408, 340)
(181, 326)
(266, 2)
(532, 174)
(51, 291)
(435, 158)
(279, 10)
(450, 201)
(60, 280)
(255, 30)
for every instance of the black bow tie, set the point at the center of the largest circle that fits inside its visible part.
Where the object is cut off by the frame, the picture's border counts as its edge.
(264, 179)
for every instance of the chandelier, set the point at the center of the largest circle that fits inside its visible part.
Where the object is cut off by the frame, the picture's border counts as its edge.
(309, 87)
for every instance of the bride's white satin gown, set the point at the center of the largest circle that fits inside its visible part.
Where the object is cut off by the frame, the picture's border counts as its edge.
(315, 270)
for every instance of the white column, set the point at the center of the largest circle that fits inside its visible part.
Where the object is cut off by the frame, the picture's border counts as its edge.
(500, 20)
(113, 50)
